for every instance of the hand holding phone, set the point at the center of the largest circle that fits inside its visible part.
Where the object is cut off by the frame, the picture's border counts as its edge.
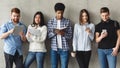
(104, 33)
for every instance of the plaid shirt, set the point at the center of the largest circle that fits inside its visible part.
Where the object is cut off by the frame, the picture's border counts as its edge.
(52, 24)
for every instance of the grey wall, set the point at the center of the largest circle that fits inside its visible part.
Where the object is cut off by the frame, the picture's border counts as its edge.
(73, 7)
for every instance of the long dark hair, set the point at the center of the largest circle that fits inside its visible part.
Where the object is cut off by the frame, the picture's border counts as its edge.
(80, 16)
(41, 19)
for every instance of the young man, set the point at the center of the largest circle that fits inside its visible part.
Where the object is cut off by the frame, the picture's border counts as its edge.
(59, 32)
(13, 42)
(107, 37)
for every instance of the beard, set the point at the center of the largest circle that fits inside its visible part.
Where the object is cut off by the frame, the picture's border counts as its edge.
(15, 20)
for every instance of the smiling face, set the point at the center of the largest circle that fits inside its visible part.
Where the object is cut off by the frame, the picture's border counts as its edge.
(37, 19)
(105, 16)
(59, 14)
(15, 17)
(84, 17)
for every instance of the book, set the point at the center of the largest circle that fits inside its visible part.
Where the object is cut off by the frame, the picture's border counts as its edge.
(62, 28)
(35, 32)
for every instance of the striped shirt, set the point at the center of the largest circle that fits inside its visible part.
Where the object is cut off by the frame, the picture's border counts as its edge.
(52, 24)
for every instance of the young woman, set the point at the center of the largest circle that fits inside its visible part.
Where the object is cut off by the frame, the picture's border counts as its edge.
(82, 37)
(36, 36)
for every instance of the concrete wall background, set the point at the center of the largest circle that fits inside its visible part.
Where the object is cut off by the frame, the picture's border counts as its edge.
(73, 7)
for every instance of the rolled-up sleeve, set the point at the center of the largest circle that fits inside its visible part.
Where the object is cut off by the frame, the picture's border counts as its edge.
(3, 29)
(68, 33)
(51, 33)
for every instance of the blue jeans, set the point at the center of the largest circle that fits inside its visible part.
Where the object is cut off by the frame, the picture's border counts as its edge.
(62, 55)
(39, 56)
(106, 59)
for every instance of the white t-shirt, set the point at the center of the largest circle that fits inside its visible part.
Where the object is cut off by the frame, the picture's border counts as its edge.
(59, 40)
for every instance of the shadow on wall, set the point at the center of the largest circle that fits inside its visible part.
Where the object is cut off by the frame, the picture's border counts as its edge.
(26, 18)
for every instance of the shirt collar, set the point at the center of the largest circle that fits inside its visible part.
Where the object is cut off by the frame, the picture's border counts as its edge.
(61, 19)
(10, 22)
(84, 24)
(106, 21)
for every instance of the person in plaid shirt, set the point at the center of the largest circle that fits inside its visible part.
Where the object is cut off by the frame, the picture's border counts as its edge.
(59, 32)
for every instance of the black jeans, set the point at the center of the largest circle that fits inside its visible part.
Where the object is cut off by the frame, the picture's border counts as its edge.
(83, 58)
(17, 59)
